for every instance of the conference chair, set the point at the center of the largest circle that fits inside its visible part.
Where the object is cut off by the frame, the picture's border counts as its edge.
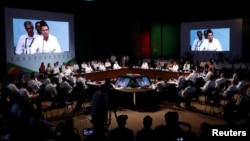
(63, 101)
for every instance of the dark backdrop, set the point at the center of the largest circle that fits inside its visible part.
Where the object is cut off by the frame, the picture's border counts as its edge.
(102, 27)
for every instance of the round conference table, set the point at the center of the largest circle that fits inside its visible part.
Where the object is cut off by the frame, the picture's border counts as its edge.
(134, 92)
(112, 74)
(127, 96)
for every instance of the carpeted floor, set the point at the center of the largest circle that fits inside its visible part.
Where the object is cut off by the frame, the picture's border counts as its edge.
(195, 116)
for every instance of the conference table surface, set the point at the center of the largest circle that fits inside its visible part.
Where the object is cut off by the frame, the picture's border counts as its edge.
(112, 74)
(131, 97)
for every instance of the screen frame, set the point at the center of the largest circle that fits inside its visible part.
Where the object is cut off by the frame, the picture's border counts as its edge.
(145, 78)
(59, 29)
(222, 34)
(236, 27)
(32, 62)
(126, 79)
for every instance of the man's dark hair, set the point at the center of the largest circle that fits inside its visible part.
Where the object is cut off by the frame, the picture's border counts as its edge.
(37, 22)
(209, 31)
(27, 23)
(43, 23)
(199, 31)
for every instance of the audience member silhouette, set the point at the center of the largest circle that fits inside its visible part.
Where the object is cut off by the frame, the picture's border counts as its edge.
(121, 133)
(99, 110)
(39, 128)
(5, 104)
(173, 131)
(69, 132)
(146, 133)
(205, 134)
(20, 80)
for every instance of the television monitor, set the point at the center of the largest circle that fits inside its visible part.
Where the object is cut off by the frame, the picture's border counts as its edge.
(143, 81)
(228, 32)
(61, 25)
(122, 81)
(221, 34)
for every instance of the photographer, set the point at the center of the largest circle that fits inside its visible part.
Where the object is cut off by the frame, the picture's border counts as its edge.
(99, 110)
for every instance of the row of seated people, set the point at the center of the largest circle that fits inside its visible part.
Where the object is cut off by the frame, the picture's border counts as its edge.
(35, 91)
(232, 95)
(22, 121)
(194, 85)
(173, 129)
(35, 127)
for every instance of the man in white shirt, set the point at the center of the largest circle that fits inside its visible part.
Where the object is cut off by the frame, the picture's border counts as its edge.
(38, 28)
(187, 66)
(181, 81)
(145, 65)
(88, 68)
(47, 43)
(76, 67)
(50, 88)
(116, 66)
(34, 84)
(72, 79)
(160, 84)
(108, 64)
(211, 44)
(56, 69)
(102, 67)
(66, 86)
(219, 82)
(209, 74)
(12, 86)
(209, 84)
(197, 42)
(83, 66)
(26, 40)
(175, 67)
(82, 80)
(26, 95)
(67, 70)
(60, 76)
(187, 93)
(242, 85)
(193, 76)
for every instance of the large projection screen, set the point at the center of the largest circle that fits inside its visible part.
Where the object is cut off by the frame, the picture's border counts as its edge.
(228, 32)
(61, 25)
